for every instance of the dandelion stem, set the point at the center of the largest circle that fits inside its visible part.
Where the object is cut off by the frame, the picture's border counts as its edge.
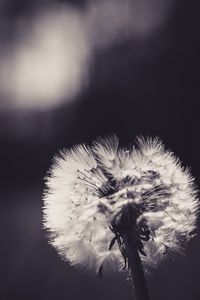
(126, 225)
(136, 268)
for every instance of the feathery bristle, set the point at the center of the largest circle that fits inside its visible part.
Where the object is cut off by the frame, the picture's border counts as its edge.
(88, 186)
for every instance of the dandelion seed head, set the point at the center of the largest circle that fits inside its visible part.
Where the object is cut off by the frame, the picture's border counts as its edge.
(88, 186)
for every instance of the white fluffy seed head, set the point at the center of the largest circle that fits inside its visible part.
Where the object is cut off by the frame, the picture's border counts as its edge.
(80, 202)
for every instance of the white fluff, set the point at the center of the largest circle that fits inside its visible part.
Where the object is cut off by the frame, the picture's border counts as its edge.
(80, 231)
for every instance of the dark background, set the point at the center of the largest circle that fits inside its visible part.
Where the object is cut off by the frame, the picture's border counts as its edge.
(146, 86)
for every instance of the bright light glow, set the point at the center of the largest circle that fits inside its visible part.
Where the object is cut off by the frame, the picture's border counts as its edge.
(49, 63)
(113, 21)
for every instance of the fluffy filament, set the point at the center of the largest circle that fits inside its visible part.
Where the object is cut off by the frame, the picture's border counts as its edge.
(89, 186)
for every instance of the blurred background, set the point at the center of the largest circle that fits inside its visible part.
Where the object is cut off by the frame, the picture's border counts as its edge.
(74, 70)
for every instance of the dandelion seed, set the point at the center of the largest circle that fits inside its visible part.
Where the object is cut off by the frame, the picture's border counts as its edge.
(108, 207)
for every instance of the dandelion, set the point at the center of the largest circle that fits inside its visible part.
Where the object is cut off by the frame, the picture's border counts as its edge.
(108, 207)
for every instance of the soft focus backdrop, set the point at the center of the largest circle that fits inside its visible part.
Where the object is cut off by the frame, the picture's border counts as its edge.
(74, 70)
